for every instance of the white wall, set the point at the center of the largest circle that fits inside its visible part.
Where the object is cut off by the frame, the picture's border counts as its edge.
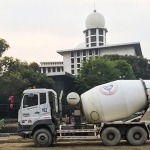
(67, 61)
(118, 50)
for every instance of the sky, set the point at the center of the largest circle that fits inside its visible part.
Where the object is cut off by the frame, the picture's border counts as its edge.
(36, 29)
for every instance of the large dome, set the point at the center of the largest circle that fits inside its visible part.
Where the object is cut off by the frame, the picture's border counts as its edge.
(95, 20)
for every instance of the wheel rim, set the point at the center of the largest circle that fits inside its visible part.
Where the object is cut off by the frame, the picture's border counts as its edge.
(42, 138)
(137, 136)
(110, 136)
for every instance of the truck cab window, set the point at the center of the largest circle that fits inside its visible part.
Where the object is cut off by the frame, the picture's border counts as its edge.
(42, 98)
(29, 101)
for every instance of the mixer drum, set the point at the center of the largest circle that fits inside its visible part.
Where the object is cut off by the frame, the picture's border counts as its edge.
(113, 101)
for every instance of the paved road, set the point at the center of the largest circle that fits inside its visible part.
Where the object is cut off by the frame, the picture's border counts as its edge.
(15, 143)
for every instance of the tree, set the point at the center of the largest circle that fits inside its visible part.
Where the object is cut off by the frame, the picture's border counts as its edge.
(34, 66)
(94, 72)
(13, 84)
(3, 46)
(101, 70)
(125, 69)
(140, 65)
(9, 64)
(17, 76)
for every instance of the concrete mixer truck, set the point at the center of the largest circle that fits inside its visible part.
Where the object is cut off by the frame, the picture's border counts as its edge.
(114, 111)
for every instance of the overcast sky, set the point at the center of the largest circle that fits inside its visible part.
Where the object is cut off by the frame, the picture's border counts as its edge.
(35, 29)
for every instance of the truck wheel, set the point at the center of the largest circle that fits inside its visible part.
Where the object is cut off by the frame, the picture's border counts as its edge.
(42, 138)
(110, 136)
(136, 136)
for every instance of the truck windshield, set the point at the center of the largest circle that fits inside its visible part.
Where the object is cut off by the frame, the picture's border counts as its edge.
(29, 101)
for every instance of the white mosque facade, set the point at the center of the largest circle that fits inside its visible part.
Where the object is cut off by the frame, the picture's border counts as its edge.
(94, 45)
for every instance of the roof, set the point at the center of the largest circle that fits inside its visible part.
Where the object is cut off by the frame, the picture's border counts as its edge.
(38, 90)
(136, 45)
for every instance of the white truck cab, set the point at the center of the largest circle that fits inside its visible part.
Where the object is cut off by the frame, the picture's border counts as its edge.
(38, 108)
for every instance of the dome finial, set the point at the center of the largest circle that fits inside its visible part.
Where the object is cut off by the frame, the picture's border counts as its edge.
(94, 6)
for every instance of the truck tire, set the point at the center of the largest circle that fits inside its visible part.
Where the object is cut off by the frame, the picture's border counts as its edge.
(136, 136)
(42, 138)
(110, 136)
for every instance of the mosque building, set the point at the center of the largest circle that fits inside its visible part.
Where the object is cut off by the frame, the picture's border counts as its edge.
(95, 45)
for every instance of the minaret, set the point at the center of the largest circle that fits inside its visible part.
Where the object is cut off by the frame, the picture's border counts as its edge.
(95, 33)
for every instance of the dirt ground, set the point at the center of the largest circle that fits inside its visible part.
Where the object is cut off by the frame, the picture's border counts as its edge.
(17, 143)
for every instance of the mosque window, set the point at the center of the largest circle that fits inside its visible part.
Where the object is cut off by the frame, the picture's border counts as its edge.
(58, 69)
(62, 69)
(93, 44)
(78, 60)
(78, 65)
(100, 31)
(96, 51)
(44, 70)
(49, 69)
(100, 44)
(72, 66)
(93, 32)
(84, 58)
(72, 71)
(72, 60)
(87, 40)
(54, 69)
(93, 38)
(84, 53)
(78, 53)
(100, 38)
(87, 33)
(90, 52)
(78, 70)
(72, 54)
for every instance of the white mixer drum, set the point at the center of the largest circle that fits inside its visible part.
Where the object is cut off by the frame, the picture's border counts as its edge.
(113, 101)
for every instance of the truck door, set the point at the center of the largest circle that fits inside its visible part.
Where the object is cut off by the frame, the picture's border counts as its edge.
(30, 109)
(45, 109)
